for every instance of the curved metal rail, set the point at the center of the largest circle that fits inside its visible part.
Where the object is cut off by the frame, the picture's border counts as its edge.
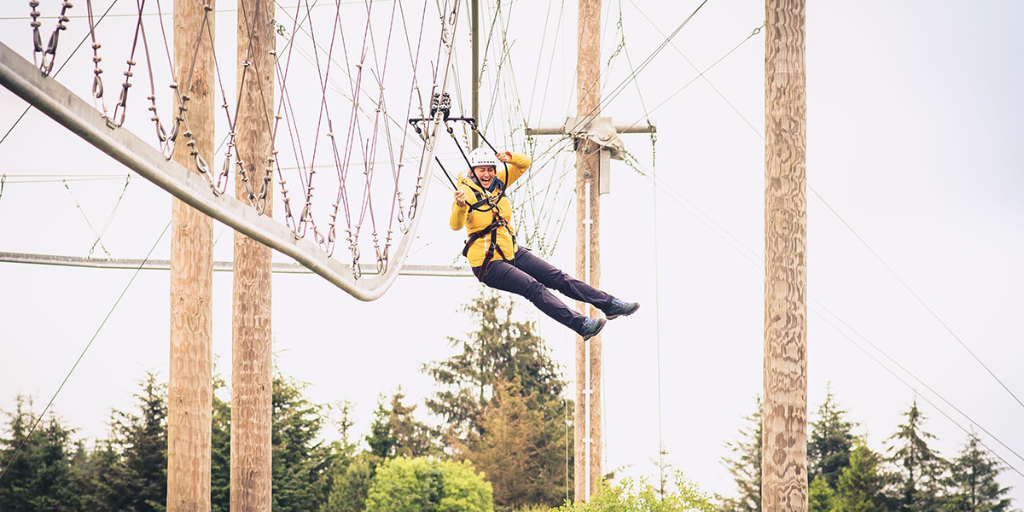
(51, 98)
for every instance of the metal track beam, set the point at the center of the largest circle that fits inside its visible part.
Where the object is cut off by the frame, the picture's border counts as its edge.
(218, 266)
(51, 98)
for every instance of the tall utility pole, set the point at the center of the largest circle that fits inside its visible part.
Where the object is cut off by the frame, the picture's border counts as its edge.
(190, 387)
(252, 368)
(597, 143)
(474, 25)
(588, 251)
(784, 464)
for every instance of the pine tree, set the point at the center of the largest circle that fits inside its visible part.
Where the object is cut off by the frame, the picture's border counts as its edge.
(861, 484)
(831, 439)
(973, 480)
(300, 459)
(396, 433)
(500, 350)
(745, 466)
(520, 452)
(37, 463)
(477, 405)
(917, 481)
(143, 443)
(821, 497)
(220, 440)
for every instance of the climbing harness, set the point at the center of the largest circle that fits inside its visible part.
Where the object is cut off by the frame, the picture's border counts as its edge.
(485, 202)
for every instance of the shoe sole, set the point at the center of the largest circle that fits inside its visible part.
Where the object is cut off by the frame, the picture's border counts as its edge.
(613, 317)
(601, 323)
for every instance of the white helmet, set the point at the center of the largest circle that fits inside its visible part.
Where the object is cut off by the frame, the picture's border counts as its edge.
(481, 157)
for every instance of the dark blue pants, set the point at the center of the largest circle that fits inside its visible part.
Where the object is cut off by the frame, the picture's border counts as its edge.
(530, 276)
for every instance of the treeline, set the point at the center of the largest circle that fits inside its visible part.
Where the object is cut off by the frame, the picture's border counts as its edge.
(844, 475)
(501, 443)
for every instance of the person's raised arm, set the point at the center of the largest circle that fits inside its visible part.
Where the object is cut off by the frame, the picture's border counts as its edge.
(459, 209)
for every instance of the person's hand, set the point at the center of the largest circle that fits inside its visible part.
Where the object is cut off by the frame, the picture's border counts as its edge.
(504, 157)
(460, 197)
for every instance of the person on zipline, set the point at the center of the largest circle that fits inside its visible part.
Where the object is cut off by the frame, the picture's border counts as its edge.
(483, 208)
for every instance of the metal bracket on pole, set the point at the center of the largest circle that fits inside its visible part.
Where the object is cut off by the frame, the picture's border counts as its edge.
(600, 131)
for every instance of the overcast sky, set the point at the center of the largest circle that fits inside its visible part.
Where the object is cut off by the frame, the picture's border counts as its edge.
(914, 128)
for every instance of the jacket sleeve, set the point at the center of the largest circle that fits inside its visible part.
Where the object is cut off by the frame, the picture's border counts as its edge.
(517, 167)
(458, 218)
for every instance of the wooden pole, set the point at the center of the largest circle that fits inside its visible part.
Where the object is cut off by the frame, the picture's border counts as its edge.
(784, 460)
(474, 33)
(587, 470)
(190, 387)
(252, 365)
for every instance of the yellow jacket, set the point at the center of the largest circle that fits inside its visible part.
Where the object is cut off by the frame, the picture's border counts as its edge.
(477, 220)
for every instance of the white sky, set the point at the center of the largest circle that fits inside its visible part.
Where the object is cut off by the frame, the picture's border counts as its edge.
(914, 126)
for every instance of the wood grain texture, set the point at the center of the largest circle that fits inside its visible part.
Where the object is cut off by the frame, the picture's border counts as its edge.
(251, 348)
(588, 93)
(190, 388)
(784, 462)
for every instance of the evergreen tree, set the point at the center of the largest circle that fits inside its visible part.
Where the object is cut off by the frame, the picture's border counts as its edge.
(505, 356)
(831, 439)
(861, 484)
(745, 465)
(973, 481)
(396, 433)
(501, 349)
(917, 482)
(821, 497)
(143, 444)
(220, 440)
(520, 452)
(300, 459)
(36, 464)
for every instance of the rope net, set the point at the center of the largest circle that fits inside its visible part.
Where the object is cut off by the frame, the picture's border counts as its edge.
(348, 171)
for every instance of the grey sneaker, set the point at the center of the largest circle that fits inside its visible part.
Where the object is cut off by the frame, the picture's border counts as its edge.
(591, 327)
(621, 308)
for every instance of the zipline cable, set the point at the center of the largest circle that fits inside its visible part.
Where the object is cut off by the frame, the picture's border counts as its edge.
(39, 418)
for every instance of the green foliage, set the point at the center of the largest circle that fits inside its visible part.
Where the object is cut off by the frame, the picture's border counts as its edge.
(973, 482)
(745, 465)
(830, 442)
(500, 350)
(40, 478)
(821, 497)
(220, 439)
(424, 485)
(142, 439)
(300, 458)
(522, 450)
(861, 483)
(351, 478)
(396, 433)
(501, 398)
(633, 496)
(917, 482)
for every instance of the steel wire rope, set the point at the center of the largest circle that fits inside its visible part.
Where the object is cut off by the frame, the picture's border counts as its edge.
(306, 217)
(87, 221)
(845, 223)
(643, 65)
(260, 205)
(925, 398)
(59, 69)
(217, 11)
(760, 266)
(916, 296)
(338, 88)
(113, 211)
(354, 136)
(82, 355)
